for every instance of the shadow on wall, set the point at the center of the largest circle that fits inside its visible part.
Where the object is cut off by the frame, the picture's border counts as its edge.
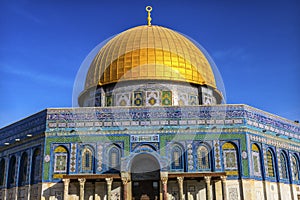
(92, 190)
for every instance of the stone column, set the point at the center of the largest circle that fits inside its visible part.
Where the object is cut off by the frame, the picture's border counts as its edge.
(224, 187)
(208, 188)
(66, 188)
(17, 167)
(4, 192)
(164, 181)
(109, 183)
(279, 191)
(125, 180)
(81, 184)
(180, 184)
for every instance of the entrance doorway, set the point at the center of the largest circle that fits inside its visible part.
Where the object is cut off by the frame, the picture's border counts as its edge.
(144, 190)
(145, 176)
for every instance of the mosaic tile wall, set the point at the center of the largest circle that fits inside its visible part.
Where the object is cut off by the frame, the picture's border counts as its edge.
(240, 124)
(149, 94)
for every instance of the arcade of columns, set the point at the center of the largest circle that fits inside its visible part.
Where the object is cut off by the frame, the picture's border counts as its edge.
(164, 176)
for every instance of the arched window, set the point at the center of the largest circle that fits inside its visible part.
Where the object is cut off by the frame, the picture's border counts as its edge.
(283, 165)
(2, 171)
(295, 168)
(60, 160)
(256, 160)
(270, 164)
(11, 172)
(87, 160)
(203, 158)
(23, 169)
(114, 158)
(230, 159)
(36, 166)
(177, 157)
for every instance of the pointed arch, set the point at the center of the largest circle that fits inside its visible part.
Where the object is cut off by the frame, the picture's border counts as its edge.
(2, 171)
(295, 167)
(87, 156)
(142, 146)
(230, 159)
(11, 179)
(270, 163)
(203, 158)
(114, 158)
(144, 164)
(256, 157)
(61, 157)
(36, 166)
(283, 166)
(23, 176)
(177, 157)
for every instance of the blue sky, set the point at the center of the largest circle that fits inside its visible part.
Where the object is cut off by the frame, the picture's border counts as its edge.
(254, 43)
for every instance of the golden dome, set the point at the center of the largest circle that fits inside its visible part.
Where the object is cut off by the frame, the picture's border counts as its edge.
(149, 53)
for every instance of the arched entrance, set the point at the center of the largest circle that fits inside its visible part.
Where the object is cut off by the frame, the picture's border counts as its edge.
(145, 176)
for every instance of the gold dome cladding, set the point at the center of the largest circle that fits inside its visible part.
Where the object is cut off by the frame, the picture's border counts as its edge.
(149, 53)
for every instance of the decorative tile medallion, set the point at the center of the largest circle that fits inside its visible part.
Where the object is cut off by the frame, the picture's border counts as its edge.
(123, 99)
(193, 100)
(183, 99)
(152, 98)
(138, 98)
(166, 98)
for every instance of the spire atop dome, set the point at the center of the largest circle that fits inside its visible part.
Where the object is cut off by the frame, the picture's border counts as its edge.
(149, 9)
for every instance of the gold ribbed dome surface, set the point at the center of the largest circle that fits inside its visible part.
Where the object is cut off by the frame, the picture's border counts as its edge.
(149, 53)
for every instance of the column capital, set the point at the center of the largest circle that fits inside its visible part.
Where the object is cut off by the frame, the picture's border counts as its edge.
(125, 177)
(81, 181)
(208, 187)
(81, 193)
(223, 178)
(180, 179)
(66, 188)
(66, 181)
(207, 179)
(180, 184)
(109, 181)
(125, 180)
(164, 180)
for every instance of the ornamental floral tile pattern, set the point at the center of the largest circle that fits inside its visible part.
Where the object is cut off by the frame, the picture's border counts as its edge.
(278, 161)
(217, 154)
(183, 99)
(251, 116)
(190, 156)
(123, 99)
(99, 156)
(193, 100)
(73, 157)
(233, 193)
(152, 98)
(206, 100)
(265, 158)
